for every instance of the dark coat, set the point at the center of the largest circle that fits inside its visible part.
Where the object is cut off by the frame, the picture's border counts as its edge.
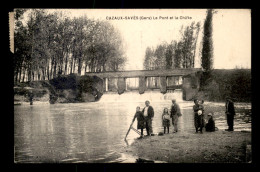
(150, 112)
(198, 119)
(230, 109)
(175, 110)
(196, 108)
(30, 96)
(140, 120)
(210, 126)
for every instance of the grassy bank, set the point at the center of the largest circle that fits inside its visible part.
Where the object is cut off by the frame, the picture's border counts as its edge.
(215, 147)
(210, 147)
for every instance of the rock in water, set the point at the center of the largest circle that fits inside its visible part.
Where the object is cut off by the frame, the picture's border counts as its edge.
(141, 160)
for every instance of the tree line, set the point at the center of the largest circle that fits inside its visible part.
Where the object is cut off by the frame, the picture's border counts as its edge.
(52, 44)
(181, 54)
(177, 54)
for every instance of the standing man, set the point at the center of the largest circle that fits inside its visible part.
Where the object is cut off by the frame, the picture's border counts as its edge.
(148, 116)
(175, 113)
(31, 97)
(230, 112)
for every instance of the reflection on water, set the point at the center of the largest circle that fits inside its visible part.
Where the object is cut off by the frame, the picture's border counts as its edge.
(92, 132)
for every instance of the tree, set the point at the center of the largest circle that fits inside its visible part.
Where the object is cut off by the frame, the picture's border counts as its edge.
(159, 53)
(51, 44)
(22, 47)
(179, 54)
(148, 60)
(106, 49)
(207, 50)
(169, 56)
(188, 42)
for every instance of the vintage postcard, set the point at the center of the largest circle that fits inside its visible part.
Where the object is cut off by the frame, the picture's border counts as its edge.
(131, 85)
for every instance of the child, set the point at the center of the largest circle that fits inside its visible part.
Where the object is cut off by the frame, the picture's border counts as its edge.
(166, 119)
(210, 126)
(140, 120)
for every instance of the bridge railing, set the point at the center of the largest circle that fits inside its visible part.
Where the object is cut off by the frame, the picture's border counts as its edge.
(146, 73)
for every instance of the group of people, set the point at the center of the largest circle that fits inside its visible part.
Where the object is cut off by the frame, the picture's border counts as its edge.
(199, 119)
(175, 113)
(145, 117)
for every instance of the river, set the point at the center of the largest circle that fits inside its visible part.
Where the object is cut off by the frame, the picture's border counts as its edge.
(94, 132)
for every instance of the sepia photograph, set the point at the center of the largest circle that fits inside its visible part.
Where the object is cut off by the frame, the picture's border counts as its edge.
(131, 85)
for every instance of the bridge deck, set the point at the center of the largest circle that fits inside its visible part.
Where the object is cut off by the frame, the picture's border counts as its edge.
(144, 73)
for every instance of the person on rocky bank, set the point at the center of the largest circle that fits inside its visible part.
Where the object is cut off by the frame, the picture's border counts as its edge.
(31, 97)
(140, 120)
(175, 114)
(148, 117)
(166, 120)
(198, 116)
(210, 125)
(230, 113)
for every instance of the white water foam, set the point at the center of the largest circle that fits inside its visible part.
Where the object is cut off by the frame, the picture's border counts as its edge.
(134, 96)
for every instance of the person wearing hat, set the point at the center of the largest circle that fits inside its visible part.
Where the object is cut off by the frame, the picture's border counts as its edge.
(175, 114)
(210, 126)
(148, 116)
(198, 116)
(230, 113)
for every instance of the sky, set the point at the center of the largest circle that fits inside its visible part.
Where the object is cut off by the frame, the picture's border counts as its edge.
(231, 32)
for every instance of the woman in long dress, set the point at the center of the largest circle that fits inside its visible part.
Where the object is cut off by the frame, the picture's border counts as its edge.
(140, 120)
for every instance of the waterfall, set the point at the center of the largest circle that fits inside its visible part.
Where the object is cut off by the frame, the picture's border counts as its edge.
(134, 96)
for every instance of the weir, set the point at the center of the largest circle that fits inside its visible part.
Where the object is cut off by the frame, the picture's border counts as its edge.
(134, 96)
(142, 81)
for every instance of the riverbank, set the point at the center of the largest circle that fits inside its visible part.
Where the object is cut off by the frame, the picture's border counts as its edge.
(188, 147)
(62, 89)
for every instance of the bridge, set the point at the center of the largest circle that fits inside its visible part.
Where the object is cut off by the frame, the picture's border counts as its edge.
(143, 80)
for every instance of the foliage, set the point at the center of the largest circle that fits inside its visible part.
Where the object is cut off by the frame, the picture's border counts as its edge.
(207, 50)
(235, 83)
(179, 54)
(51, 44)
